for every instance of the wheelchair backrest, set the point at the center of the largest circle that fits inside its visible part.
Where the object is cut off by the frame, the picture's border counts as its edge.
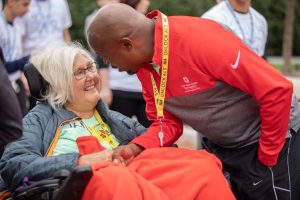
(37, 84)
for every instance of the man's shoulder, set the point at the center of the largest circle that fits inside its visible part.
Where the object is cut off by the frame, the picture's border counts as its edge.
(258, 15)
(216, 12)
(59, 3)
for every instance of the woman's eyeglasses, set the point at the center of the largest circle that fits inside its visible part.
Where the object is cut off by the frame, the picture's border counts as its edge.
(81, 73)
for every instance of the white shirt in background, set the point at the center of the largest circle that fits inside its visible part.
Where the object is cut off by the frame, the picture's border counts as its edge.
(250, 27)
(11, 43)
(123, 81)
(44, 23)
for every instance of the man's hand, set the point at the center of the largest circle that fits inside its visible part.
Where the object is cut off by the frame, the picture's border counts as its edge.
(125, 154)
(93, 158)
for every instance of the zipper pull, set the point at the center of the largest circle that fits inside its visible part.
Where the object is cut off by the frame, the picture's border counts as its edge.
(161, 138)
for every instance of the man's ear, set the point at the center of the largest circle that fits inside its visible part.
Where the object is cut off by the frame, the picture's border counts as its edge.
(126, 43)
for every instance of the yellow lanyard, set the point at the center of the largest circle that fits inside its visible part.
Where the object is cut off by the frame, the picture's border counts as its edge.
(100, 136)
(160, 95)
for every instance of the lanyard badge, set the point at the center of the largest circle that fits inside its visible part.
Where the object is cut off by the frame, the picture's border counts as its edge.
(100, 135)
(160, 94)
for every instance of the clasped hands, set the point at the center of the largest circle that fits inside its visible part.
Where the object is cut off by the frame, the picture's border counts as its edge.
(121, 155)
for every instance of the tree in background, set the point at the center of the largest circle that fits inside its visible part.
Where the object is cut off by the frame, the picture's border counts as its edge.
(273, 10)
(80, 9)
(288, 35)
(182, 7)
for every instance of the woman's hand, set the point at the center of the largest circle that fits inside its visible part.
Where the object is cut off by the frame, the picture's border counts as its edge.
(125, 154)
(93, 158)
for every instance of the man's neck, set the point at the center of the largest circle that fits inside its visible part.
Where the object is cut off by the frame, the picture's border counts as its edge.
(240, 6)
(8, 14)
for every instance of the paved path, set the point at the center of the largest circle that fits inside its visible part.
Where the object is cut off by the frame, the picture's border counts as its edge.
(295, 79)
(279, 60)
(296, 83)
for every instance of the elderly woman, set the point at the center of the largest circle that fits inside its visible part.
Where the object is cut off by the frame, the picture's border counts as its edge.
(72, 108)
(73, 118)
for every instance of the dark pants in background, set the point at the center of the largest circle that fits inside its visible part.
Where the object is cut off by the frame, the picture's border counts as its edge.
(130, 104)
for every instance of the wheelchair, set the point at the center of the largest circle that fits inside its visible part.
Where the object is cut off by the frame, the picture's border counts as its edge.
(64, 184)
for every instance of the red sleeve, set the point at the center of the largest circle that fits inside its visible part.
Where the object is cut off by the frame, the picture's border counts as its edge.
(172, 126)
(229, 60)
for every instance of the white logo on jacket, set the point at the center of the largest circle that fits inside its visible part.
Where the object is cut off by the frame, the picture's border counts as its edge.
(185, 79)
(235, 65)
(189, 86)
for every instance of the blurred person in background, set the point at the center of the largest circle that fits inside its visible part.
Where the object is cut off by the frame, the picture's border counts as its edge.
(140, 5)
(46, 22)
(248, 24)
(10, 112)
(11, 44)
(123, 92)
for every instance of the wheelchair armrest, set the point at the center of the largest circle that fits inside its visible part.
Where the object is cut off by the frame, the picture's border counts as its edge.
(75, 184)
(63, 185)
(62, 174)
(41, 190)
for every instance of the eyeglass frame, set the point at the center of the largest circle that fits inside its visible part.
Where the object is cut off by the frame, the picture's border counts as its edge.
(92, 68)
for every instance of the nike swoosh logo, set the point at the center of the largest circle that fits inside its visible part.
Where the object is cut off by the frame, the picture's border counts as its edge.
(256, 183)
(236, 61)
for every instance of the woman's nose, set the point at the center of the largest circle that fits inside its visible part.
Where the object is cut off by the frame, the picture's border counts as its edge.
(88, 74)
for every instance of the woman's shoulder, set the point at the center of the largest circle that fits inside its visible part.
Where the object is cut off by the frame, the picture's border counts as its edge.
(39, 112)
(45, 114)
(41, 108)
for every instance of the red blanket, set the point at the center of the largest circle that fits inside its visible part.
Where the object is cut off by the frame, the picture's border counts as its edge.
(159, 174)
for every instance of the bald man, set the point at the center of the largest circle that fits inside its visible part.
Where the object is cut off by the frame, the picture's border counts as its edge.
(193, 70)
(104, 38)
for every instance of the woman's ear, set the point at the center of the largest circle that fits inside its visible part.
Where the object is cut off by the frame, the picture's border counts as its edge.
(126, 43)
